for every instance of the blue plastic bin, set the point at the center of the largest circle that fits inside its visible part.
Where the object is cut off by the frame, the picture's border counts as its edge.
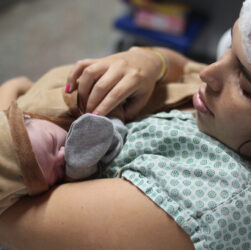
(182, 43)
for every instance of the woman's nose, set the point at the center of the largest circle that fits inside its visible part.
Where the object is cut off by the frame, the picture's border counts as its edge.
(212, 76)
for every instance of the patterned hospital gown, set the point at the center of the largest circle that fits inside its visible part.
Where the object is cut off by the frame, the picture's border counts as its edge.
(203, 185)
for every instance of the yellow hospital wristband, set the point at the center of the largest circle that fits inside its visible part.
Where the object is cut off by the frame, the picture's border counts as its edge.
(163, 59)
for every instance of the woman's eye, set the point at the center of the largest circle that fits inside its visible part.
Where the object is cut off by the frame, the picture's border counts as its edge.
(52, 144)
(245, 85)
(248, 94)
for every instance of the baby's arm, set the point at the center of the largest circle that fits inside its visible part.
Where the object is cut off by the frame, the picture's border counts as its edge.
(12, 89)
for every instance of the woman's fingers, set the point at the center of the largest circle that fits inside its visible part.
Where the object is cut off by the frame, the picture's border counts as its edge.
(88, 78)
(134, 105)
(126, 77)
(103, 86)
(118, 94)
(77, 71)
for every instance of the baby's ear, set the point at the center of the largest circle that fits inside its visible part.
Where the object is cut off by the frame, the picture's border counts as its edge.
(245, 149)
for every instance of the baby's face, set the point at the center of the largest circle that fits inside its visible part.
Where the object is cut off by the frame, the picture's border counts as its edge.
(48, 140)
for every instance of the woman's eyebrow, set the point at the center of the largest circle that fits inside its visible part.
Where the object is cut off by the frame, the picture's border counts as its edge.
(244, 70)
(242, 67)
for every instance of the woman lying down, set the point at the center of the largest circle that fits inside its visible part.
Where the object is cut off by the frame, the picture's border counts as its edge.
(178, 182)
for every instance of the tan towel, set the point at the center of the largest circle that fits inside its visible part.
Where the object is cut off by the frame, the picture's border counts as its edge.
(19, 170)
(47, 96)
(177, 95)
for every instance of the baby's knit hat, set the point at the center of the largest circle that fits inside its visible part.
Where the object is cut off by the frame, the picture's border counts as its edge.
(19, 171)
(245, 27)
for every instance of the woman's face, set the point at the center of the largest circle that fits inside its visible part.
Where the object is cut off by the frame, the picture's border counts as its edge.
(48, 140)
(223, 102)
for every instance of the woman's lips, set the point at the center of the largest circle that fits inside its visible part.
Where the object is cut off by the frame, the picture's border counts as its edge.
(199, 103)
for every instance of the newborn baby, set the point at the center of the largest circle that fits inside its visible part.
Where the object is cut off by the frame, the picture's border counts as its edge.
(36, 154)
(91, 140)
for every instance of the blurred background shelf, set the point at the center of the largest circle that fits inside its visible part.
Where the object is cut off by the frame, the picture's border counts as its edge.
(37, 35)
(149, 37)
(202, 33)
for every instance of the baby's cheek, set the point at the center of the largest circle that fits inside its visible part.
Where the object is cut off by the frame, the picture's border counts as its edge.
(45, 163)
(46, 172)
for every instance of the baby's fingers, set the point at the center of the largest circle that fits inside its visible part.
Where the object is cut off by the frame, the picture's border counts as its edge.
(76, 73)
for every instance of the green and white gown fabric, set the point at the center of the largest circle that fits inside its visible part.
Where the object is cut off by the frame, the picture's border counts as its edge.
(203, 185)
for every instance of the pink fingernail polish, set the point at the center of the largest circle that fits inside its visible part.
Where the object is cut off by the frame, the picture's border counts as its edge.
(95, 113)
(67, 88)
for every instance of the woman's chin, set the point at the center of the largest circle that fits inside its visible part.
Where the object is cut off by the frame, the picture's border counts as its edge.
(203, 126)
(200, 122)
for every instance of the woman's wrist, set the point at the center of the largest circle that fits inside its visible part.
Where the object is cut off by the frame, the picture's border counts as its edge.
(164, 67)
(158, 59)
(153, 61)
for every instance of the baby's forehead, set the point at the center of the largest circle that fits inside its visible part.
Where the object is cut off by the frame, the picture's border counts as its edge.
(36, 126)
(28, 120)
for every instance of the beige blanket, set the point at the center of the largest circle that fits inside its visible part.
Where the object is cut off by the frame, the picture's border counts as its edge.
(47, 96)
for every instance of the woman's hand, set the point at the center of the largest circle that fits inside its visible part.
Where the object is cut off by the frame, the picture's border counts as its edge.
(128, 78)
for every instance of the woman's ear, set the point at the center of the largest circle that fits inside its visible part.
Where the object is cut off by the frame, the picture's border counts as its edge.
(245, 149)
